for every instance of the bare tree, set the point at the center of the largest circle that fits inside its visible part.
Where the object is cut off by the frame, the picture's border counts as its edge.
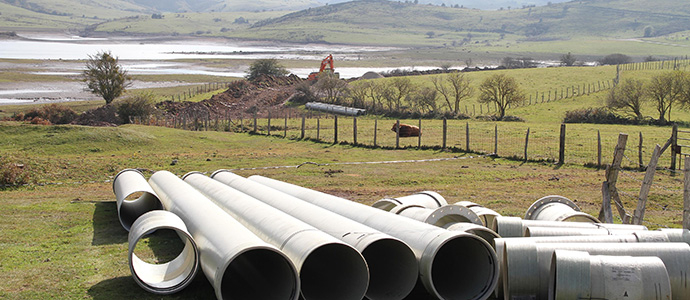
(424, 99)
(501, 90)
(628, 95)
(105, 77)
(665, 90)
(331, 87)
(401, 87)
(568, 59)
(357, 92)
(453, 87)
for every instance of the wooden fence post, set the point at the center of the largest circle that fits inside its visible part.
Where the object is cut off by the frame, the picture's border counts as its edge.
(286, 127)
(445, 133)
(674, 145)
(376, 125)
(686, 194)
(318, 128)
(255, 125)
(301, 137)
(639, 153)
(467, 136)
(526, 143)
(335, 129)
(561, 146)
(397, 134)
(605, 214)
(612, 178)
(354, 130)
(419, 138)
(496, 139)
(269, 123)
(598, 149)
(638, 215)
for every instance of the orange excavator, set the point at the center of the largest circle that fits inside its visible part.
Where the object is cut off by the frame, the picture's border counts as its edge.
(326, 66)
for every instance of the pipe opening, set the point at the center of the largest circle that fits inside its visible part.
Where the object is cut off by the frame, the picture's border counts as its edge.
(334, 271)
(393, 269)
(136, 204)
(163, 261)
(259, 274)
(464, 269)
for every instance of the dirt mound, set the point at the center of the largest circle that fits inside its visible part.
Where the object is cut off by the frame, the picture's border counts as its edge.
(260, 96)
(102, 116)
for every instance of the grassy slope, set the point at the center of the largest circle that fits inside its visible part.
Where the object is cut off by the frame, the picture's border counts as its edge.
(64, 241)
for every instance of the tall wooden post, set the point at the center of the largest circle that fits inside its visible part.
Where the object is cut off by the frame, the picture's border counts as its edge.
(376, 127)
(301, 137)
(638, 215)
(419, 138)
(255, 125)
(686, 194)
(639, 153)
(285, 128)
(467, 136)
(496, 139)
(354, 130)
(335, 129)
(561, 146)
(397, 134)
(526, 142)
(598, 149)
(612, 179)
(445, 132)
(269, 124)
(674, 146)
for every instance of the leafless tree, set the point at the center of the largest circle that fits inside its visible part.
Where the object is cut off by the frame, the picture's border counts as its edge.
(453, 87)
(628, 95)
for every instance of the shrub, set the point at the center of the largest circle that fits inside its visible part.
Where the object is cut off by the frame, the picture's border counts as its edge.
(598, 115)
(58, 114)
(12, 174)
(140, 105)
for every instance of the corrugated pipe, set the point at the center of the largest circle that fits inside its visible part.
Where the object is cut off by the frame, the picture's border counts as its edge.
(557, 208)
(427, 199)
(238, 264)
(392, 265)
(487, 215)
(169, 277)
(452, 265)
(516, 227)
(579, 275)
(443, 216)
(328, 268)
(527, 264)
(134, 196)
(637, 237)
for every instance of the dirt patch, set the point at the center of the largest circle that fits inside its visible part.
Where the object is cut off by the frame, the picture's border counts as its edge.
(261, 96)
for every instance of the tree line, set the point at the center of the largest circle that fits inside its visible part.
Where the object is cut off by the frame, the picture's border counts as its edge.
(664, 91)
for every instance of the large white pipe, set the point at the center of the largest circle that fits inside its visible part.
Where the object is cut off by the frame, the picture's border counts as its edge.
(516, 227)
(527, 264)
(134, 196)
(328, 268)
(238, 264)
(393, 268)
(169, 277)
(557, 208)
(637, 237)
(578, 275)
(443, 216)
(452, 265)
(487, 215)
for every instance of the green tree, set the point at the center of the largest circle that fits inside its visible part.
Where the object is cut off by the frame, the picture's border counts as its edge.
(568, 59)
(628, 95)
(267, 66)
(105, 77)
(665, 90)
(501, 90)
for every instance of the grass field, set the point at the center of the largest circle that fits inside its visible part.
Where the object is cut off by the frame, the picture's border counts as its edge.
(62, 239)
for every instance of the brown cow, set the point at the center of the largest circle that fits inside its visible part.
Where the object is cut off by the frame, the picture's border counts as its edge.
(408, 130)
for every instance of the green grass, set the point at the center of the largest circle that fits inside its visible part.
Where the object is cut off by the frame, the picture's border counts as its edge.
(65, 241)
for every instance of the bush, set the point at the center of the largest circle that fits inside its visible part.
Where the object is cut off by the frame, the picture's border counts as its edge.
(598, 115)
(48, 114)
(141, 105)
(12, 174)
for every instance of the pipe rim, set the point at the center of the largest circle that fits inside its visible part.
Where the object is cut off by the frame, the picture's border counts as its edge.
(185, 265)
(124, 171)
(350, 268)
(393, 269)
(216, 172)
(450, 214)
(386, 204)
(443, 272)
(534, 209)
(269, 260)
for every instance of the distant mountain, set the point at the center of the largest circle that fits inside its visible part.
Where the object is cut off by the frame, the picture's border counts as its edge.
(478, 4)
